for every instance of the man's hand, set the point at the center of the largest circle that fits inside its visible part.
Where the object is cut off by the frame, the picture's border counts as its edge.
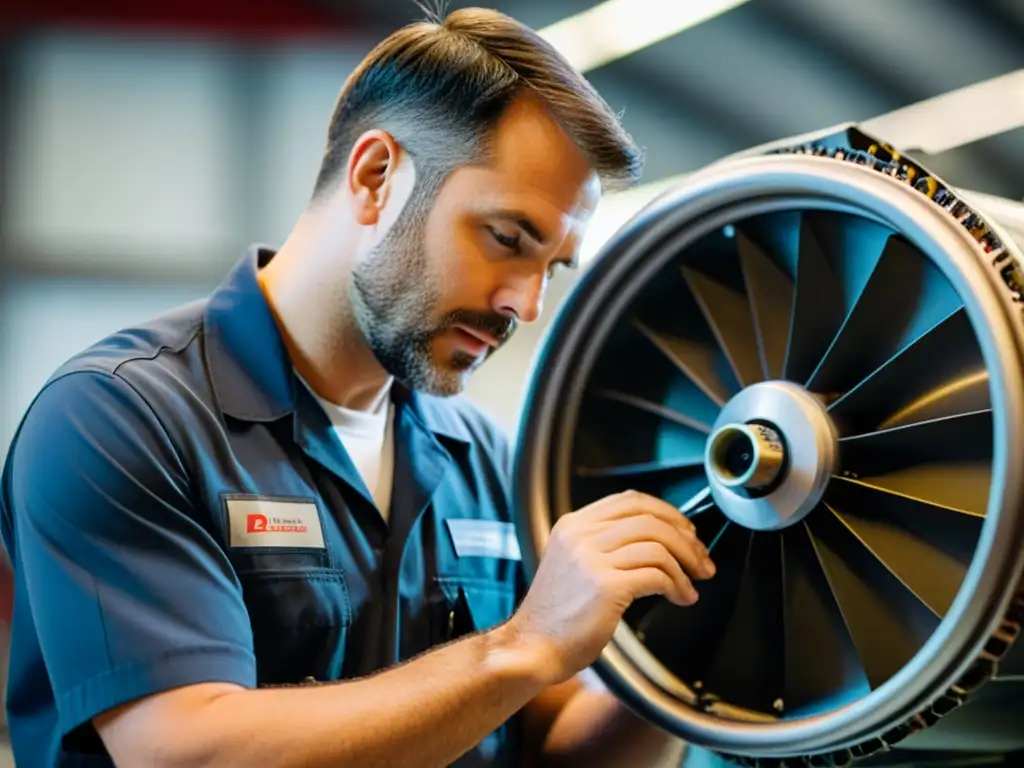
(598, 561)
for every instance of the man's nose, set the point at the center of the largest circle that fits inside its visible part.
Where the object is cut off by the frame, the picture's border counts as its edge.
(521, 297)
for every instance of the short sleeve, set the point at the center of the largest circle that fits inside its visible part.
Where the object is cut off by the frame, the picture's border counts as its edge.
(129, 593)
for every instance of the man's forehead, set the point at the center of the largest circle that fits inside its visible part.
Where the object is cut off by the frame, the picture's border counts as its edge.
(532, 152)
(554, 198)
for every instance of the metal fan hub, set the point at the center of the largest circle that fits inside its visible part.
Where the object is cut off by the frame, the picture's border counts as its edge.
(748, 456)
(770, 455)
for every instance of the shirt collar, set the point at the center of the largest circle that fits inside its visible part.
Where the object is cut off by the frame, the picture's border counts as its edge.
(433, 414)
(251, 373)
(245, 354)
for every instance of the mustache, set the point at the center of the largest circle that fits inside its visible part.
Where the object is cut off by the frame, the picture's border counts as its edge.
(497, 325)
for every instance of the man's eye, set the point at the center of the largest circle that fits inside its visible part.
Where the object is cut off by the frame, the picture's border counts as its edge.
(506, 241)
(556, 266)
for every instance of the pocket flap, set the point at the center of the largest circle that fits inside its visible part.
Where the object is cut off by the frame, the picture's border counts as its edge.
(489, 602)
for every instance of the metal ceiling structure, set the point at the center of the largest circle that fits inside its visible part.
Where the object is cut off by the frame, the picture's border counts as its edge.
(762, 71)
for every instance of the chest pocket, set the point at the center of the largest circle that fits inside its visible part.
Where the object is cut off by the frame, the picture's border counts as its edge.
(477, 566)
(474, 604)
(300, 622)
(298, 603)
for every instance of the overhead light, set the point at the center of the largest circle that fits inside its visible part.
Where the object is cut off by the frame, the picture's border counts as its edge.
(956, 118)
(617, 28)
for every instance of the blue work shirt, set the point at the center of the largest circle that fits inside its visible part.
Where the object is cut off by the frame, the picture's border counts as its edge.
(178, 510)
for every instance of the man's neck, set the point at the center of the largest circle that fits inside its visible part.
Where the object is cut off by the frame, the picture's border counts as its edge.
(305, 285)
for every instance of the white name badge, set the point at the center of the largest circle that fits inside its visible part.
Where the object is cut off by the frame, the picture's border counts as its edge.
(261, 522)
(484, 538)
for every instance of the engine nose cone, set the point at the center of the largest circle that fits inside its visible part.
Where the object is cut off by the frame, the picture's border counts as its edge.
(749, 456)
(770, 455)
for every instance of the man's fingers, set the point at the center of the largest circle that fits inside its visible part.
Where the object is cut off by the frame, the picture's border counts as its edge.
(632, 503)
(644, 582)
(645, 555)
(684, 546)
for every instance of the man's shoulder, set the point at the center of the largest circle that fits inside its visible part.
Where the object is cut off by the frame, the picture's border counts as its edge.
(109, 406)
(145, 343)
(135, 370)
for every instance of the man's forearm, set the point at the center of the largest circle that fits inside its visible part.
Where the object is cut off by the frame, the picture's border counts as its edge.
(424, 713)
(595, 729)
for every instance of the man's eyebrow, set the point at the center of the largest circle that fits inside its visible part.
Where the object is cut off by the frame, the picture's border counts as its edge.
(524, 221)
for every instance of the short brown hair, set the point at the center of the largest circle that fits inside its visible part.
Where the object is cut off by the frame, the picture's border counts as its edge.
(439, 87)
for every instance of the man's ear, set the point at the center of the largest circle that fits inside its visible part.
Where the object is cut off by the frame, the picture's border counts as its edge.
(370, 166)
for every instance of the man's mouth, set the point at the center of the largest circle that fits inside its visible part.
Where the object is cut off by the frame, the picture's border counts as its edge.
(472, 341)
(482, 336)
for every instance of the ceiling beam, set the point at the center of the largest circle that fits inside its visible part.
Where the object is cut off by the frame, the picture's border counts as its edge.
(978, 165)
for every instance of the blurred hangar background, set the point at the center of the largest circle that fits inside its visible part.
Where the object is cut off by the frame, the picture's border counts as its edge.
(145, 145)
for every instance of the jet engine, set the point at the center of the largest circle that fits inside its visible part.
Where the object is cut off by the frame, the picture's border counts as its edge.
(815, 350)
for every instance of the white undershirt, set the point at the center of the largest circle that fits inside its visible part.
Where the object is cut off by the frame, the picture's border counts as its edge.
(368, 437)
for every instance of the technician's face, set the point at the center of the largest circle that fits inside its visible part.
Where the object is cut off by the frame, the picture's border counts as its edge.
(450, 283)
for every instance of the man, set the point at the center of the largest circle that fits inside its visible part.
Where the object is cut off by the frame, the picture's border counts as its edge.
(260, 531)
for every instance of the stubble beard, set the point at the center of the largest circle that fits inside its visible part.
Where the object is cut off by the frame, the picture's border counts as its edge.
(394, 297)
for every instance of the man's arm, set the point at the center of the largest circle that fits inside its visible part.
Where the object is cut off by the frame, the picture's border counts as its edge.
(426, 712)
